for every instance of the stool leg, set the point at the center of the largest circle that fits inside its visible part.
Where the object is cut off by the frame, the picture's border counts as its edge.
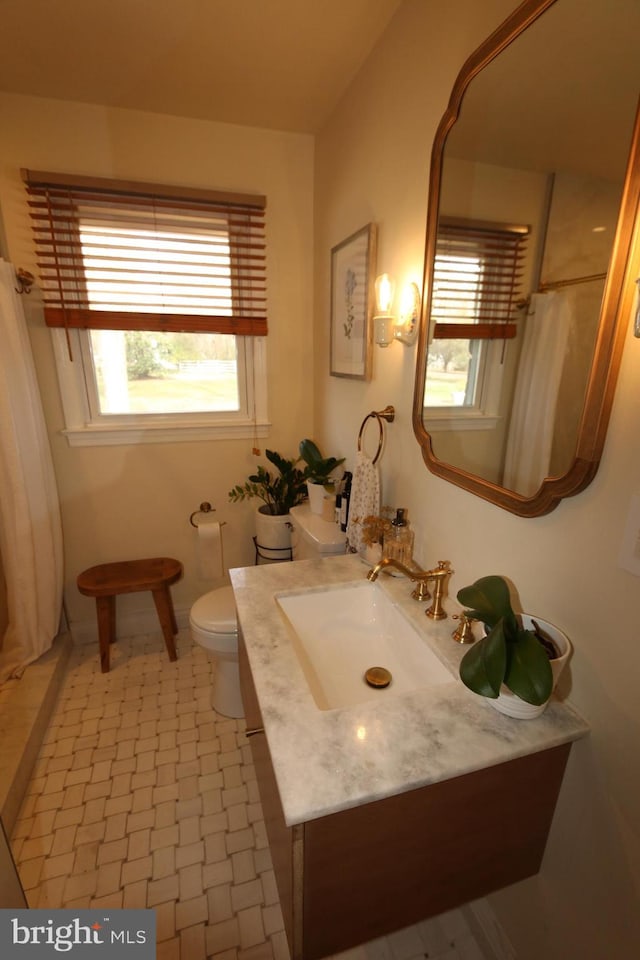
(106, 609)
(166, 616)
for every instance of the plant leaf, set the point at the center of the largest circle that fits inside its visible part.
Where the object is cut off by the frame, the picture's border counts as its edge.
(483, 666)
(309, 452)
(528, 673)
(488, 599)
(279, 491)
(318, 468)
(284, 466)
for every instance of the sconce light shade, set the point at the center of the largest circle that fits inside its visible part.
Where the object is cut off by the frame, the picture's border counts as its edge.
(385, 288)
(386, 326)
(384, 321)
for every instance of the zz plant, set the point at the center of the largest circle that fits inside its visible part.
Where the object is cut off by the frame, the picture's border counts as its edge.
(508, 653)
(279, 490)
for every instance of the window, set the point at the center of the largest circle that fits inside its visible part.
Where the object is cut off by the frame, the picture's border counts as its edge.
(475, 289)
(453, 361)
(160, 372)
(157, 295)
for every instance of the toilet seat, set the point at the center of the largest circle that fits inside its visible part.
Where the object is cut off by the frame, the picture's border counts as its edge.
(216, 611)
(214, 622)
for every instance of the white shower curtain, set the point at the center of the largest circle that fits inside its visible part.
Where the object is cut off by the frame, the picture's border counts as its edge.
(536, 393)
(30, 529)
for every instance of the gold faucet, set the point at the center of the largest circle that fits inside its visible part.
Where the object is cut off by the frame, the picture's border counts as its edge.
(421, 578)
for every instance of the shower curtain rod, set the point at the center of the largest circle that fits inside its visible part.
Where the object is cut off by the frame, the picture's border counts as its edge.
(556, 284)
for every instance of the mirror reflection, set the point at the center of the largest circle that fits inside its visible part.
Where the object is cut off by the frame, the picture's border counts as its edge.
(531, 181)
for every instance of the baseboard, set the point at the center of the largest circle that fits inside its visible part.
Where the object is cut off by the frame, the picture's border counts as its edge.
(128, 625)
(488, 932)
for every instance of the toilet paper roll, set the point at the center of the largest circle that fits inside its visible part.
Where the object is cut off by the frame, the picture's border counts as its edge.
(209, 550)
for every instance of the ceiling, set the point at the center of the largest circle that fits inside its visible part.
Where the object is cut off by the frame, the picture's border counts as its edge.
(562, 96)
(280, 64)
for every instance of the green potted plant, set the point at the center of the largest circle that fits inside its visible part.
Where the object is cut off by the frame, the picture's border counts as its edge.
(279, 490)
(518, 661)
(318, 470)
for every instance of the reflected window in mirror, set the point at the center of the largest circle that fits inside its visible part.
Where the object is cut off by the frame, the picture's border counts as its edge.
(476, 289)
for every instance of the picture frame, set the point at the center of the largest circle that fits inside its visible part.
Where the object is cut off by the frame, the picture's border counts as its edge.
(352, 287)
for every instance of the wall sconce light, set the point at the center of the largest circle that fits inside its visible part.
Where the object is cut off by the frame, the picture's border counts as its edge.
(384, 321)
(387, 327)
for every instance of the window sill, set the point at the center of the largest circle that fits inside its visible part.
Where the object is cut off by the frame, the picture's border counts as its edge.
(460, 421)
(111, 435)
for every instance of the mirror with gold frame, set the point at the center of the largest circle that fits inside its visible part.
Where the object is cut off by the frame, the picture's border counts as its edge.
(540, 140)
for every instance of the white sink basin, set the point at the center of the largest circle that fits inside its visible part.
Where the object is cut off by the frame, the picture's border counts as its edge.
(340, 632)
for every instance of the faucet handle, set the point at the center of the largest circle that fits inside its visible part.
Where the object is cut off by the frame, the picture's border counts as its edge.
(464, 631)
(421, 591)
(443, 570)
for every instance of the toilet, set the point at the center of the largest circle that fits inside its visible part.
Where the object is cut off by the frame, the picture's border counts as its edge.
(214, 626)
(313, 537)
(213, 620)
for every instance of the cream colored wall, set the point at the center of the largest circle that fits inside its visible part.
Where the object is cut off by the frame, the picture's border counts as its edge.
(372, 163)
(134, 501)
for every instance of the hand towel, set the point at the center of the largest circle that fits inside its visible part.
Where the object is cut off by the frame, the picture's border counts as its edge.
(364, 501)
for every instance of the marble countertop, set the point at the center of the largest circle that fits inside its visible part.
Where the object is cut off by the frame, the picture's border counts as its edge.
(331, 760)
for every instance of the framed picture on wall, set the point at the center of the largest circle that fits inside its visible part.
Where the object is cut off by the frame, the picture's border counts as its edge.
(352, 284)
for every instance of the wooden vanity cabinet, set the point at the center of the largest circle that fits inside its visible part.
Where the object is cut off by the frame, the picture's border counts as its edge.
(355, 875)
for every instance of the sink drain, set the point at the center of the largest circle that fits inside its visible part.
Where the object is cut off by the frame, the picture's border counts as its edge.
(378, 677)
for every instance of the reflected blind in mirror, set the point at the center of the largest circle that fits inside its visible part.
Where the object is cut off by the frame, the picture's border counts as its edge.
(476, 280)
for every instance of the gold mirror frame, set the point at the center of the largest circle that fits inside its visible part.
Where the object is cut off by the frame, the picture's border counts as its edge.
(616, 307)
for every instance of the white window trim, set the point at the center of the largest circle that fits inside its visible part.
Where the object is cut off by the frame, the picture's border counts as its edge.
(484, 415)
(459, 421)
(84, 430)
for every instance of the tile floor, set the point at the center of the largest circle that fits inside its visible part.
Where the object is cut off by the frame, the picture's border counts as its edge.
(143, 797)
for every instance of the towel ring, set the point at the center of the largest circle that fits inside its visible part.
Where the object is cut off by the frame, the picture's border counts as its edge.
(387, 414)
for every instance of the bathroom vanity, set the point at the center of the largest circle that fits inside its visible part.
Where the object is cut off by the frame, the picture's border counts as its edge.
(396, 808)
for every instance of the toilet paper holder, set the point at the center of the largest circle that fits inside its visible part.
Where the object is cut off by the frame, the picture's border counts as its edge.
(204, 507)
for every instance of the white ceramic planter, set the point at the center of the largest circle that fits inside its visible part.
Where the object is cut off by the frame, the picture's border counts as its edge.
(512, 705)
(273, 534)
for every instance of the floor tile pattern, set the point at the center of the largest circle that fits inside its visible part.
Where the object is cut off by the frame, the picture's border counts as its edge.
(142, 796)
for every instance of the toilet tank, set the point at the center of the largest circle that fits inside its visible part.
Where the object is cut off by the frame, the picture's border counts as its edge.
(313, 537)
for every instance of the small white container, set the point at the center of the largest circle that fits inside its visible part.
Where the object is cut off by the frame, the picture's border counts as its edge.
(317, 494)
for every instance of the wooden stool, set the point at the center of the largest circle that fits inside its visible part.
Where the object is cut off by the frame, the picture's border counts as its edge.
(107, 580)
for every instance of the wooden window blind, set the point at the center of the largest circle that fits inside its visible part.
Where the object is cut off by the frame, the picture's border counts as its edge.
(476, 281)
(122, 255)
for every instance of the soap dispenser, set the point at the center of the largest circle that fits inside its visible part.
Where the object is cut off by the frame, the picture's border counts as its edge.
(398, 541)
